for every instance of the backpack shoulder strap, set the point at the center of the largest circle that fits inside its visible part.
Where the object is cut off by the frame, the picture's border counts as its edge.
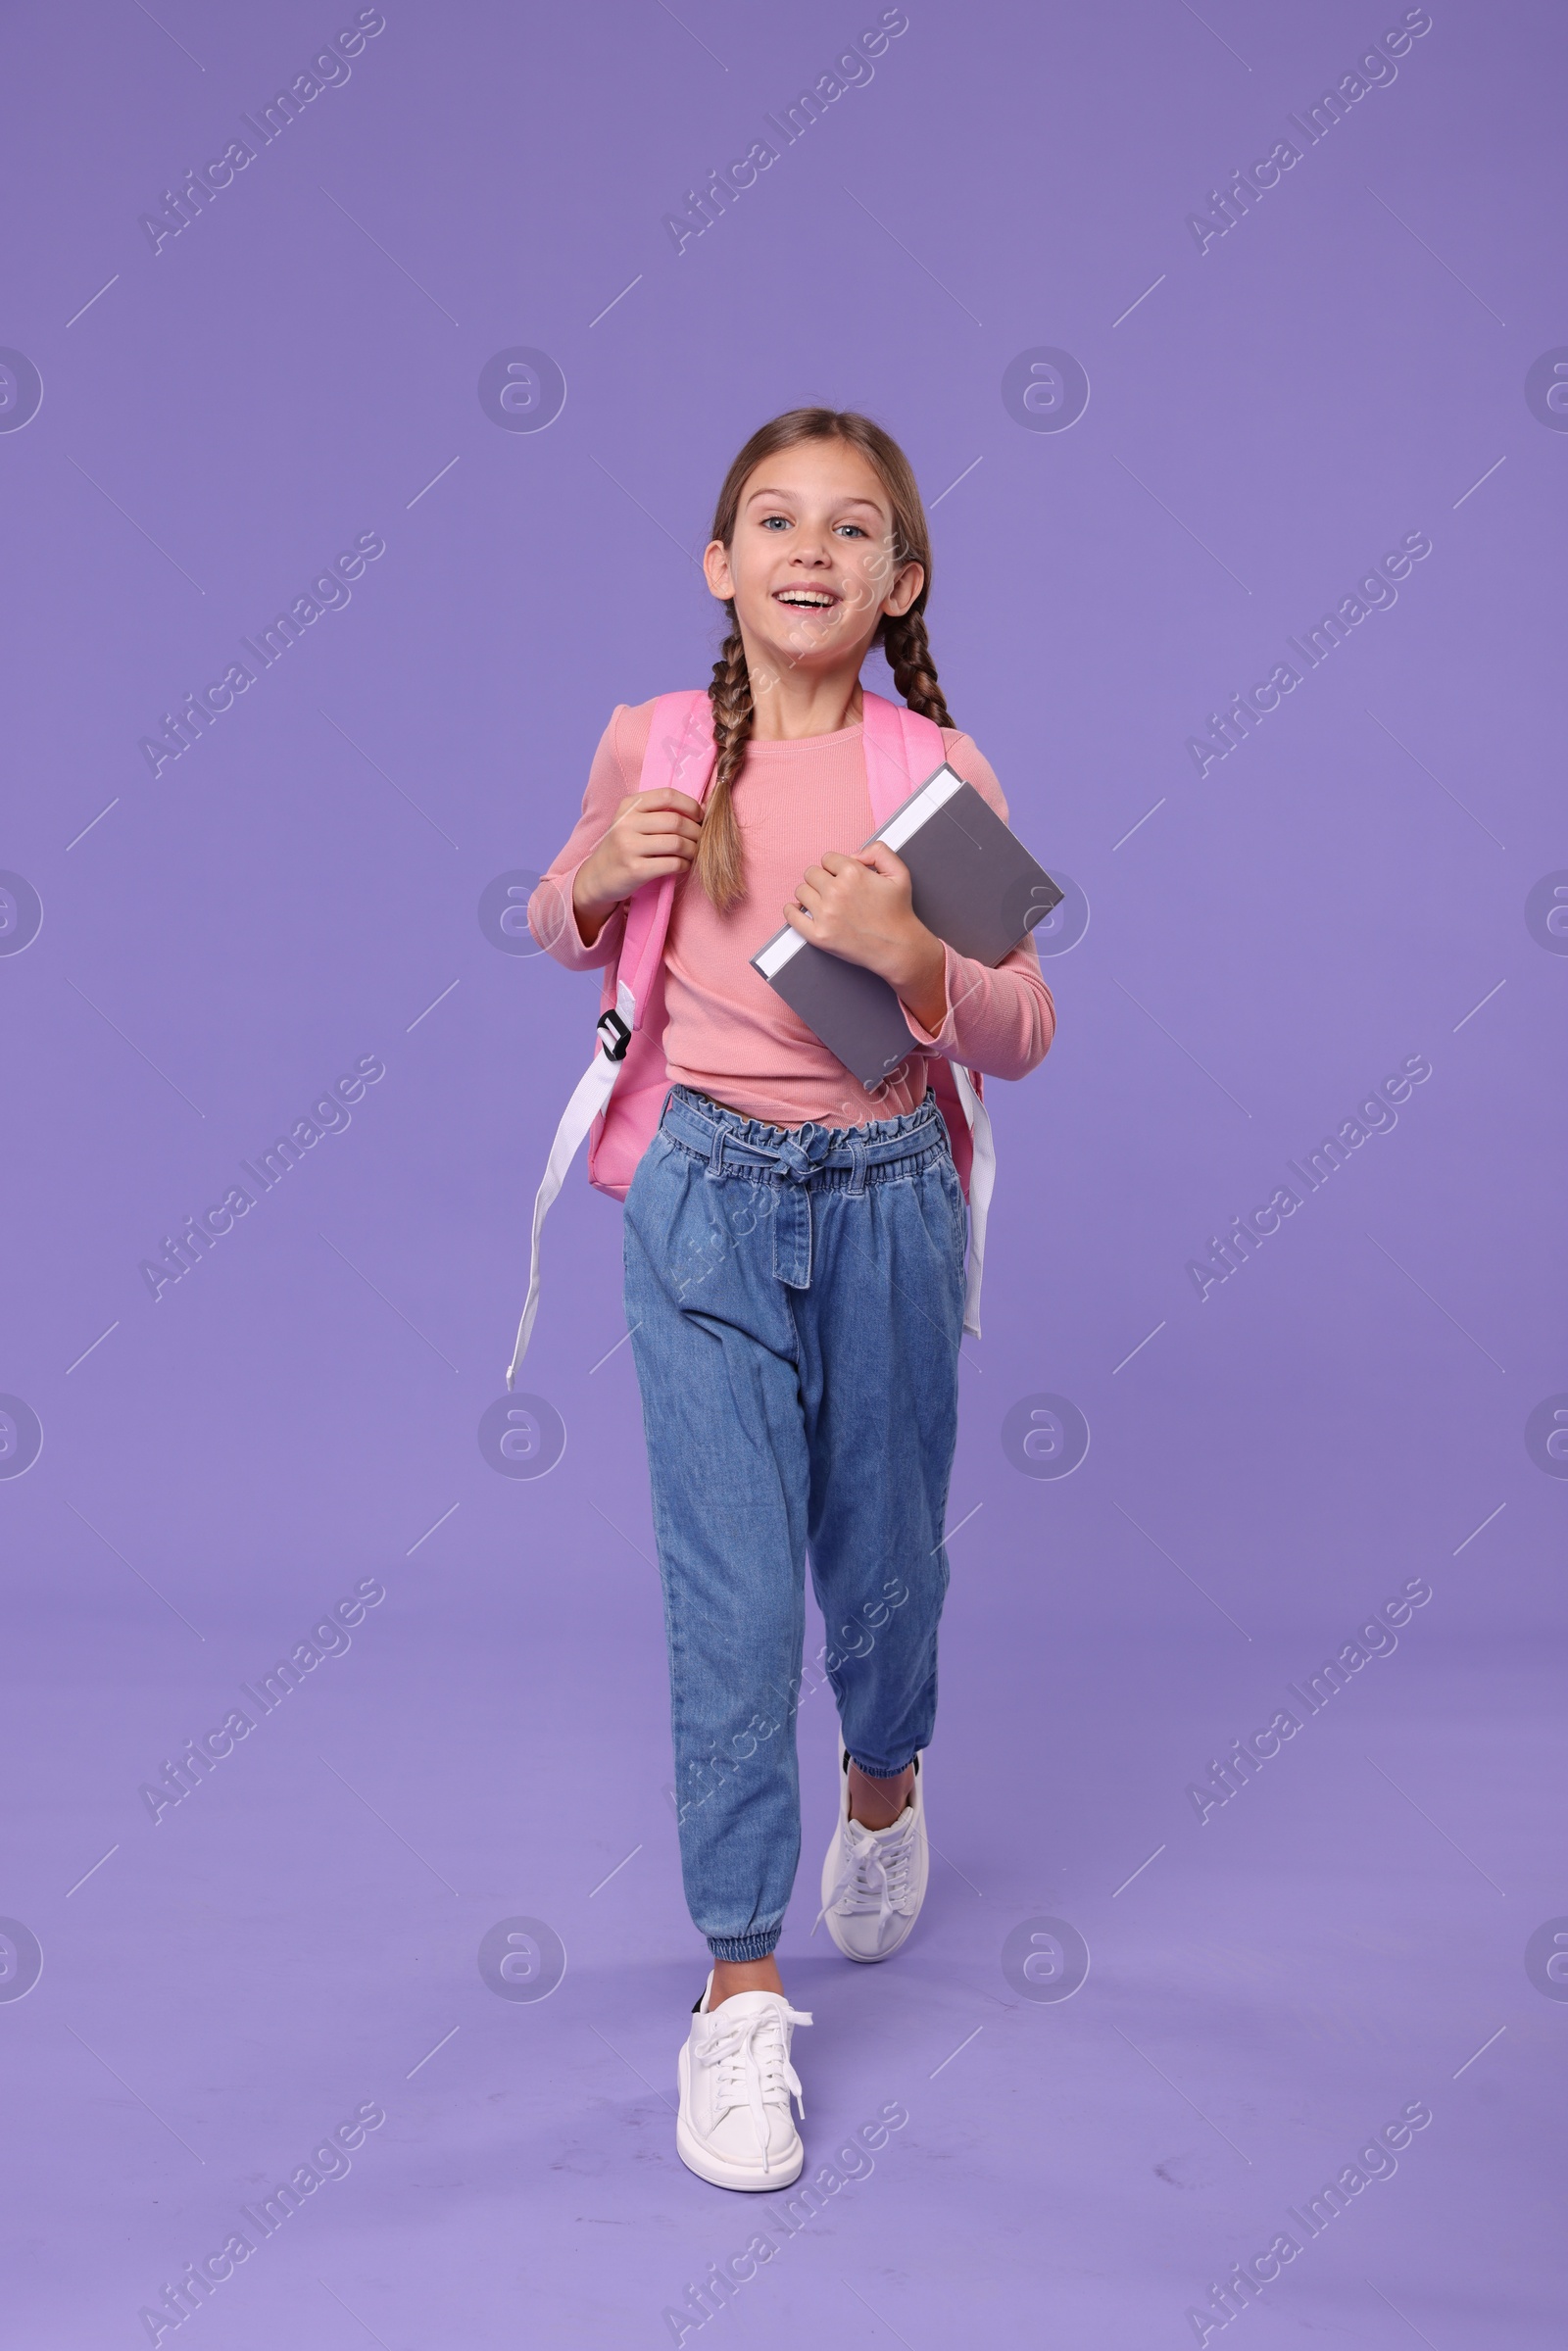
(902, 751)
(680, 754)
(679, 758)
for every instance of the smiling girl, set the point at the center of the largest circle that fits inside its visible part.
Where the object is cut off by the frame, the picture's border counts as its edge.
(794, 1243)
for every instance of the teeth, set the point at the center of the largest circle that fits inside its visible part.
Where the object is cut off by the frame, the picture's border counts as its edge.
(814, 604)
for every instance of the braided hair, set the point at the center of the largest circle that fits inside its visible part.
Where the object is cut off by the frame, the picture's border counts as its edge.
(720, 865)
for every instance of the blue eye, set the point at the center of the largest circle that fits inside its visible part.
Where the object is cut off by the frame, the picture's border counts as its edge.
(855, 527)
(769, 521)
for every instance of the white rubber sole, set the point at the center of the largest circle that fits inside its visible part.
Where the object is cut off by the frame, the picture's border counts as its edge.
(922, 1873)
(710, 2167)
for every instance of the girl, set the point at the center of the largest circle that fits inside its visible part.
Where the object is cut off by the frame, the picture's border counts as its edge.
(793, 1244)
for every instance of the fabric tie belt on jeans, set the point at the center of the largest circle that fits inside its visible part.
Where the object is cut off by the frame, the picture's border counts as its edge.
(709, 1129)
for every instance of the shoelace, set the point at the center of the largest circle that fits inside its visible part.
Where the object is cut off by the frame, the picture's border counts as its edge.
(754, 2071)
(875, 1874)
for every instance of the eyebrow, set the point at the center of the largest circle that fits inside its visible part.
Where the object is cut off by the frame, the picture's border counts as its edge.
(790, 494)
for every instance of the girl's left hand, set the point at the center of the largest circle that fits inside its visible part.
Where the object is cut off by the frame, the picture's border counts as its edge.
(858, 904)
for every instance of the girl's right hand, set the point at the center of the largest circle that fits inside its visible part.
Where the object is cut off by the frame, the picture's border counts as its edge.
(654, 833)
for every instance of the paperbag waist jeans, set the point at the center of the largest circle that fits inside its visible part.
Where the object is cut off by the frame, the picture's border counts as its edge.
(794, 1298)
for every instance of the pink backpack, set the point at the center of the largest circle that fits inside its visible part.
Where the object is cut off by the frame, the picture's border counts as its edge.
(621, 1097)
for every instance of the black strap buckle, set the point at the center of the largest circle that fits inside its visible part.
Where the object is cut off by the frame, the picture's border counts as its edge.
(613, 1035)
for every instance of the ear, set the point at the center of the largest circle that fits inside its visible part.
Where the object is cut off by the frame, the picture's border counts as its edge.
(904, 591)
(716, 572)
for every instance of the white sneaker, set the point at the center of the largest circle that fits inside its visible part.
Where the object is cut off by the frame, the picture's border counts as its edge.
(735, 2129)
(873, 1880)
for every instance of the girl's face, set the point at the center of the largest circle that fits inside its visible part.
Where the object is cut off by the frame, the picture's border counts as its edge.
(812, 565)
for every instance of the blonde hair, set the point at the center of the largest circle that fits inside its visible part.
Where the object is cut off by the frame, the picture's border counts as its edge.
(720, 861)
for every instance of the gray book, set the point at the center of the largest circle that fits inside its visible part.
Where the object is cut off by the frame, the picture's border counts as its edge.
(973, 883)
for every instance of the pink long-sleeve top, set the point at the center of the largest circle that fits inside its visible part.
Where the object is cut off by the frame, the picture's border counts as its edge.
(728, 1033)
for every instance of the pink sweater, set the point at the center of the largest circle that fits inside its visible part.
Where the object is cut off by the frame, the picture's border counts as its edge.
(728, 1034)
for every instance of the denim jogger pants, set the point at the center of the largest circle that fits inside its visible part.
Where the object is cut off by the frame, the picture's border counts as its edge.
(796, 1303)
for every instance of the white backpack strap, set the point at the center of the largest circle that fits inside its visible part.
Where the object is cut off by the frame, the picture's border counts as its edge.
(982, 1180)
(593, 1090)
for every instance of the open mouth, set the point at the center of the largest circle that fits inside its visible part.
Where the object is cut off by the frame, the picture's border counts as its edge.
(807, 600)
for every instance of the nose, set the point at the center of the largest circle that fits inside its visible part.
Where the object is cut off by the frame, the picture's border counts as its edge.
(812, 549)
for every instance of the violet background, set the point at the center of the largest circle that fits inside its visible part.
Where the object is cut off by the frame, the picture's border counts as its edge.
(301, 1411)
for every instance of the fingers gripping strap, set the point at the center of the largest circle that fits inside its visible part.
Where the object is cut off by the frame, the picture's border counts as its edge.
(982, 1178)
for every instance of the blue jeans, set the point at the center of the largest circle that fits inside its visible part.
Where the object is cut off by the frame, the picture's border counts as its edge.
(796, 1303)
